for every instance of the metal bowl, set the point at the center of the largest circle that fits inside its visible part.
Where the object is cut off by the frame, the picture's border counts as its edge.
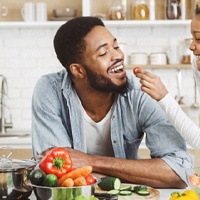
(61, 193)
(64, 12)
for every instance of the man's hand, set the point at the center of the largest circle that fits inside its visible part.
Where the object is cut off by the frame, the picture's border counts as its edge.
(79, 159)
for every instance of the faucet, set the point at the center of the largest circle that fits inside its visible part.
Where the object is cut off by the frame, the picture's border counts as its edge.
(4, 91)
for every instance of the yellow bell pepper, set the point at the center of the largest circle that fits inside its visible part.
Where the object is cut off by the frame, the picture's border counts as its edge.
(186, 195)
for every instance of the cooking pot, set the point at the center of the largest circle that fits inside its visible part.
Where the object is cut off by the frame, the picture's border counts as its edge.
(14, 176)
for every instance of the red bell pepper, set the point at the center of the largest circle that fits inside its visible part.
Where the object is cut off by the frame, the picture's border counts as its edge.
(57, 161)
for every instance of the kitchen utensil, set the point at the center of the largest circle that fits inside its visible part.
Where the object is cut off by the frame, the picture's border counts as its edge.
(154, 193)
(14, 176)
(52, 193)
(179, 97)
(195, 104)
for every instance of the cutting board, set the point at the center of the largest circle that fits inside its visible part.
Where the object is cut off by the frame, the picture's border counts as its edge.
(154, 194)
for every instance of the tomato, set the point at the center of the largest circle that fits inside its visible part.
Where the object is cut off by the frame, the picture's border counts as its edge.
(136, 69)
(90, 179)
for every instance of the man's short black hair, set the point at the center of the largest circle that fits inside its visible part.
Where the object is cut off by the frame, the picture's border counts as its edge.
(69, 40)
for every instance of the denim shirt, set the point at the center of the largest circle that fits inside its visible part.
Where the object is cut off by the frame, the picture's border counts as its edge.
(57, 121)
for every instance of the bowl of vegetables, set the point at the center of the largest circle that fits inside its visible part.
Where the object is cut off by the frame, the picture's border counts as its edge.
(55, 179)
(193, 175)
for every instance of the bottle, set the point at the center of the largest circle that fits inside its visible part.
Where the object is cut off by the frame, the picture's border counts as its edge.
(140, 10)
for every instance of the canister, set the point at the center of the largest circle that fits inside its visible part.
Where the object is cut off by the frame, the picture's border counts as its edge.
(158, 58)
(139, 58)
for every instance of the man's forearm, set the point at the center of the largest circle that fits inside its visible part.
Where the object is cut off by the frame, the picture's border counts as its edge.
(152, 172)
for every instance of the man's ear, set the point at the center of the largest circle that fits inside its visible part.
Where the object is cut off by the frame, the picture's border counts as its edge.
(77, 70)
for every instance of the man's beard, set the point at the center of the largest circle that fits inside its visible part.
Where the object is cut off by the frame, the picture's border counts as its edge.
(104, 84)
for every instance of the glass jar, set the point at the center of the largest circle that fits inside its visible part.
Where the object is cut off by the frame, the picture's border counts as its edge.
(186, 53)
(117, 11)
(173, 9)
(140, 10)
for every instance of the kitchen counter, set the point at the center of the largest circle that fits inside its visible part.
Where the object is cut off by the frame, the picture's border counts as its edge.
(17, 142)
(165, 194)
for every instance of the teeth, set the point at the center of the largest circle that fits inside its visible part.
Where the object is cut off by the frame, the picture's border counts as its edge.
(116, 69)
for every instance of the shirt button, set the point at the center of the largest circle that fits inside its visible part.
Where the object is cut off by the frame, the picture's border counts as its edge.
(114, 141)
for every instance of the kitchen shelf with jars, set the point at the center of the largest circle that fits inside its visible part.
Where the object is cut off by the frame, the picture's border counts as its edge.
(115, 13)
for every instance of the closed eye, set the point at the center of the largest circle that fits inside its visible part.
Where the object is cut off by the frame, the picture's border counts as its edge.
(103, 54)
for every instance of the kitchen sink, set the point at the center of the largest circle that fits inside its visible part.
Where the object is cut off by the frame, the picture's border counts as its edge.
(13, 133)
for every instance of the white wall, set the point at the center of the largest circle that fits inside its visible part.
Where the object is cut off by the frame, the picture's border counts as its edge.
(26, 54)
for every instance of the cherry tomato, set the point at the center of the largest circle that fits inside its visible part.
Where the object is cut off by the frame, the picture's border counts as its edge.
(136, 68)
(90, 179)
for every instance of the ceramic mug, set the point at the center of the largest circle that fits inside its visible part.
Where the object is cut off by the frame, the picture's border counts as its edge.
(41, 11)
(28, 11)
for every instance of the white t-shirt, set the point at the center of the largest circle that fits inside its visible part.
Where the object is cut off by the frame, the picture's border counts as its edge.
(183, 124)
(98, 138)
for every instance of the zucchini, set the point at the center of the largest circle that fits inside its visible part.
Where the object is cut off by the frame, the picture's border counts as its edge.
(109, 183)
(143, 193)
(125, 193)
(125, 188)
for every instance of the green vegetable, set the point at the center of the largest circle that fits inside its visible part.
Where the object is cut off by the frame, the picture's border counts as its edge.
(66, 193)
(126, 188)
(113, 192)
(143, 193)
(37, 177)
(139, 188)
(50, 180)
(125, 193)
(82, 197)
(109, 183)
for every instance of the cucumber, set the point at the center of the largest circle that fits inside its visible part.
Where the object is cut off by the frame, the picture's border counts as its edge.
(140, 188)
(125, 188)
(109, 183)
(125, 193)
(143, 193)
(116, 192)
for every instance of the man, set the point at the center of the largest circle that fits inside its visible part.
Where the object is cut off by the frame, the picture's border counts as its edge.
(100, 114)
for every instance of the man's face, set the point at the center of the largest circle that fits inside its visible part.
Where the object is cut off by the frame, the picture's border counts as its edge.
(195, 45)
(103, 61)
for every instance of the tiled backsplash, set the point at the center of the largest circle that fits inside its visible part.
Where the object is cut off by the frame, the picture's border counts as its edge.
(26, 54)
